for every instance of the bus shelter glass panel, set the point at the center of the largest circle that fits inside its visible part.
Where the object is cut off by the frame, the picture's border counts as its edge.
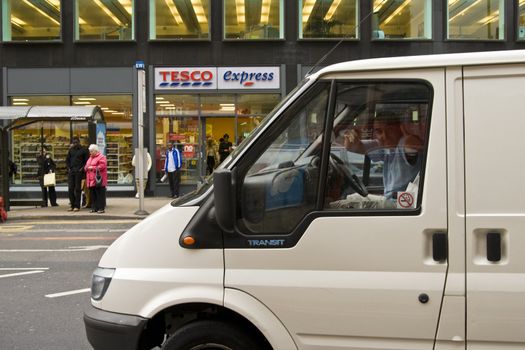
(104, 20)
(321, 19)
(117, 111)
(173, 19)
(56, 141)
(407, 19)
(476, 20)
(521, 20)
(31, 20)
(176, 119)
(253, 20)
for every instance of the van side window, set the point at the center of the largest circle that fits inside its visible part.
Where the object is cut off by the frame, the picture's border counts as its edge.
(281, 186)
(379, 143)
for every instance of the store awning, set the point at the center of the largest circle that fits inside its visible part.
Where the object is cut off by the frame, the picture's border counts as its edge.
(24, 115)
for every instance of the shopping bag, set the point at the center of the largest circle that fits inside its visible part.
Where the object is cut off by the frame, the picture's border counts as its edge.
(164, 177)
(49, 180)
(98, 179)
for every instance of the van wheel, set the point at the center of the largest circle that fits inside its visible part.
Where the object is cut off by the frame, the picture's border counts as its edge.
(210, 335)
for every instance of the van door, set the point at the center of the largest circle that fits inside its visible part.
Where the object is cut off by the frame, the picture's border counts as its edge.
(345, 242)
(495, 206)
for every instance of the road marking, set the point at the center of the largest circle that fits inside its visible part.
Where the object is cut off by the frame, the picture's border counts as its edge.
(22, 268)
(76, 222)
(21, 273)
(70, 249)
(54, 238)
(79, 230)
(15, 228)
(71, 292)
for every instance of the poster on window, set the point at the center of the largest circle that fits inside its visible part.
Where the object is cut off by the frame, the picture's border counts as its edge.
(101, 137)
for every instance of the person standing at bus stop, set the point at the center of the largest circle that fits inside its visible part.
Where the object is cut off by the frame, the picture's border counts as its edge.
(75, 162)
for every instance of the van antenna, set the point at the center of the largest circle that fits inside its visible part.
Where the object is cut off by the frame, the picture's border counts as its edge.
(357, 26)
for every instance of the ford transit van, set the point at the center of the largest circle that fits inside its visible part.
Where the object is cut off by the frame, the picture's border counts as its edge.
(380, 205)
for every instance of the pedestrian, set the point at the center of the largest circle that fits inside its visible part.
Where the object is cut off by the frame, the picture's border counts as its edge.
(97, 179)
(225, 147)
(212, 154)
(147, 166)
(75, 162)
(46, 165)
(172, 167)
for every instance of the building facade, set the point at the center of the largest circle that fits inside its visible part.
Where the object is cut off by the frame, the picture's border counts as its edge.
(213, 67)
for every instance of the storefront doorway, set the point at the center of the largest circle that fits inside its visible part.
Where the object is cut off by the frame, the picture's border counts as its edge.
(192, 119)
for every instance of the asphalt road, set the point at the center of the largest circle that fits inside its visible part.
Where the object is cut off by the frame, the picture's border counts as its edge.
(45, 276)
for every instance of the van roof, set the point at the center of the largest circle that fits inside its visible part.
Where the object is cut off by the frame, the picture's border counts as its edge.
(427, 61)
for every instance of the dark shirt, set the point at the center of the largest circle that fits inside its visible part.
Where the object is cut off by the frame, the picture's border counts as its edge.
(45, 166)
(76, 159)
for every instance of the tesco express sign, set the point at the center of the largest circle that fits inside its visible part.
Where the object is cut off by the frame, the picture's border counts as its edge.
(222, 78)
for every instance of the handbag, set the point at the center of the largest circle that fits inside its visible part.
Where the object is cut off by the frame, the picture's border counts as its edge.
(49, 180)
(98, 179)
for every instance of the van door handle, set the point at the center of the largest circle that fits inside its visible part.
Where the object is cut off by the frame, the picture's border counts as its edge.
(493, 246)
(439, 247)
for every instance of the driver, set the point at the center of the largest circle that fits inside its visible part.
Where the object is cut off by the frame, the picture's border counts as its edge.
(395, 145)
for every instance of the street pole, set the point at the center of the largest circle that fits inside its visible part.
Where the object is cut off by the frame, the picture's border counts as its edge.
(141, 109)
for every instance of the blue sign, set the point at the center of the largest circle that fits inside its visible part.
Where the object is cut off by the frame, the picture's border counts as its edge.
(101, 137)
(140, 65)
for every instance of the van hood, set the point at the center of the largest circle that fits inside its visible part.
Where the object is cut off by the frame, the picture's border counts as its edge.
(151, 242)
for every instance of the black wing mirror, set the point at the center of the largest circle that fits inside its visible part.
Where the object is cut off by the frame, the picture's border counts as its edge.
(224, 199)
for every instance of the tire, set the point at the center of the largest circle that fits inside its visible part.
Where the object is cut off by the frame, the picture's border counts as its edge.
(210, 335)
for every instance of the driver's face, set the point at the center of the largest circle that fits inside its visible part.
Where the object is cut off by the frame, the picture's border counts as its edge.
(387, 134)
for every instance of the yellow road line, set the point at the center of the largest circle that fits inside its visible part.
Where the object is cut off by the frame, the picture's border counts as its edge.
(76, 222)
(15, 228)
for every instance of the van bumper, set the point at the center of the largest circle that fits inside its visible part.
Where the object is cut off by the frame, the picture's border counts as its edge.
(110, 330)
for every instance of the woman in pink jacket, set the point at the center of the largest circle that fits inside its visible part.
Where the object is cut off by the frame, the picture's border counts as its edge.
(96, 161)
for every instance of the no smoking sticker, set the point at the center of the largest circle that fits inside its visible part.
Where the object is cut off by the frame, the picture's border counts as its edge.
(405, 200)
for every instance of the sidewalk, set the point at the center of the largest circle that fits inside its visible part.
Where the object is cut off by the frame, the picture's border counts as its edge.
(116, 208)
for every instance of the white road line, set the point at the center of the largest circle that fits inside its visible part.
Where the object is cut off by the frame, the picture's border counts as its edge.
(21, 273)
(71, 249)
(22, 268)
(71, 292)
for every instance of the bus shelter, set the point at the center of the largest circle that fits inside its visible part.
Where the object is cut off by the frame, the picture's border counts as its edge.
(27, 131)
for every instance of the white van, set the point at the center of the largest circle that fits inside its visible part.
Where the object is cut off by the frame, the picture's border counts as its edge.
(381, 205)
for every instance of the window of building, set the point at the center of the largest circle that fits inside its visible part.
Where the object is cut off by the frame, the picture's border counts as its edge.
(175, 19)
(319, 19)
(55, 137)
(253, 20)
(476, 20)
(25, 20)
(521, 20)
(408, 19)
(104, 20)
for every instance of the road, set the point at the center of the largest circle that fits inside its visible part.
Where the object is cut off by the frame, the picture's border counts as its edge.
(45, 276)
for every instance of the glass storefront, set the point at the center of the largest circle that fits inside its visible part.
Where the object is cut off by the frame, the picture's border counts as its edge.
(55, 137)
(319, 19)
(179, 20)
(24, 20)
(476, 20)
(104, 20)
(191, 120)
(253, 20)
(408, 19)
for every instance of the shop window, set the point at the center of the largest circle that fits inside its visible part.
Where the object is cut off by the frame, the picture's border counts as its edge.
(521, 20)
(321, 19)
(476, 20)
(251, 110)
(25, 20)
(104, 20)
(408, 19)
(253, 20)
(28, 141)
(175, 19)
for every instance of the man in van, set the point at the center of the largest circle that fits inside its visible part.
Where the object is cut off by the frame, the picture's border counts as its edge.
(395, 145)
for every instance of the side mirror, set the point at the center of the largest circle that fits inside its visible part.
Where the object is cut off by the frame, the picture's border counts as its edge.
(224, 199)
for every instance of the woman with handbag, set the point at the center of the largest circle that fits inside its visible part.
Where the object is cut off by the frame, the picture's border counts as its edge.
(97, 179)
(46, 178)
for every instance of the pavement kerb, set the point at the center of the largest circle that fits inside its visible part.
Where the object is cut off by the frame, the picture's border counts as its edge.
(74, 217)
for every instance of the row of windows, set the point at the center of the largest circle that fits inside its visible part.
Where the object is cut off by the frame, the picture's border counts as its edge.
(28, 20)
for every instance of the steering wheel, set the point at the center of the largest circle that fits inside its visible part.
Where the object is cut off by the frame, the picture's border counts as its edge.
(355, 182)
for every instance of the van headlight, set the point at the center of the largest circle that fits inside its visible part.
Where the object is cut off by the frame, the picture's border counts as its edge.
(100, 282)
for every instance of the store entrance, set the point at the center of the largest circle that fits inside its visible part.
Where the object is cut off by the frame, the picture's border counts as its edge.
(217, 146)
